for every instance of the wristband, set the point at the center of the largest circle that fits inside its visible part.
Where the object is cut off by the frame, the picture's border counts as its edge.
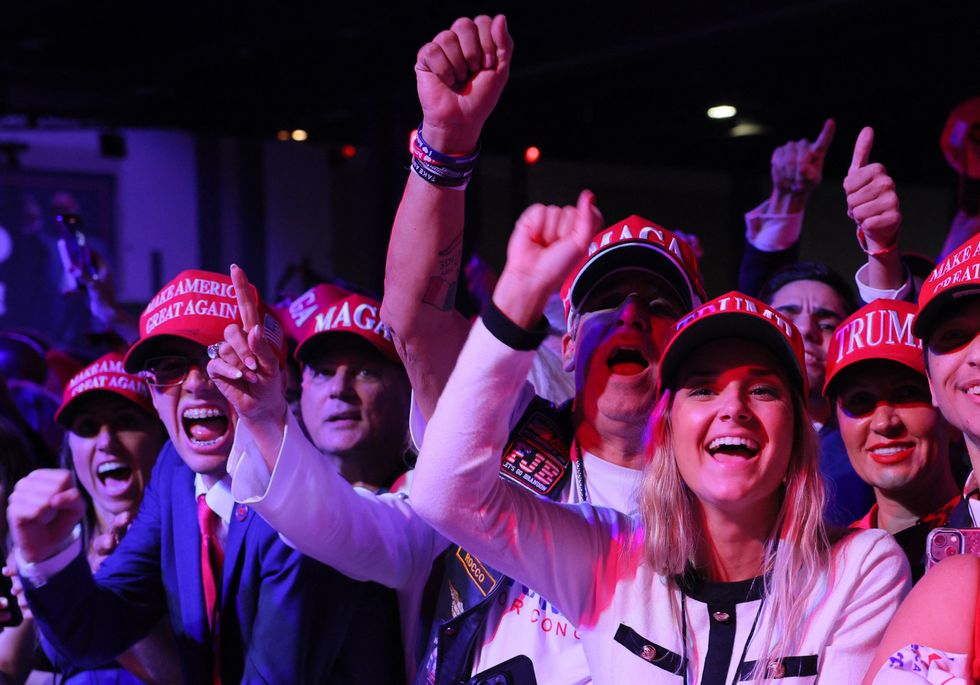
(436, 157)
(863, 243)
(431, 175)
(509, 333)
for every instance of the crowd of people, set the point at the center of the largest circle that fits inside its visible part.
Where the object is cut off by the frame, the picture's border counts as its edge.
(607, 475)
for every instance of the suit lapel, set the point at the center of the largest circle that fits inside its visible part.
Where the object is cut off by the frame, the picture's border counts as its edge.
(241, 519)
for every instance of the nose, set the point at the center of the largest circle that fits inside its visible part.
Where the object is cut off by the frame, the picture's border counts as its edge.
(633, 314)
(341, 383)
(808, 327)
(197, 379)
(104, 438)
(884, 420)
(734, 406)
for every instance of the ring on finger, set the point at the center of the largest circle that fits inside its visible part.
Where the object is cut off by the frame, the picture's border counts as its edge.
(213, 350)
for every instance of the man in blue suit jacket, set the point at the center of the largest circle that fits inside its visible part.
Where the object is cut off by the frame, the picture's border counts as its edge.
(281, 618)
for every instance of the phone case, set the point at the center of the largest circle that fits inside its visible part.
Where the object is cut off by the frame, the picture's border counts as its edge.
(943, 543)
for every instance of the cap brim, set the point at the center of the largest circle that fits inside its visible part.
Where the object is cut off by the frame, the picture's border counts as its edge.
(930, 315)
(841, 369)
(634, 255)
(318, 341)
(155, 346)
(730, 325)
(66, 413)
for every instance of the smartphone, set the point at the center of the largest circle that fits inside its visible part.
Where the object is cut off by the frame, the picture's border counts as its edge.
(13, 607)
(943, 543)
(73, 248)
(516, 671)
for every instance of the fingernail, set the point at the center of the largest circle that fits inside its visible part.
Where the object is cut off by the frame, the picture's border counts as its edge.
(250, 363)
(251, 377)
(239, 373)
(234, 266)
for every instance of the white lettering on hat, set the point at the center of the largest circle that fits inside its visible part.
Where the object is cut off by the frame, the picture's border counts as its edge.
(951, 262)
(197, 286)
(360, 321)
(164, 315)
(874, 328)
(302, 308)
(95, 383)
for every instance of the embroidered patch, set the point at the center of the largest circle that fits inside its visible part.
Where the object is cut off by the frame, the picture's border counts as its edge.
(478, 573)
(537, 457)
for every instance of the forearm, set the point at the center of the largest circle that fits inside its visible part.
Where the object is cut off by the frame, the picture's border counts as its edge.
(364, 536)
(17, 651)
(421, 277)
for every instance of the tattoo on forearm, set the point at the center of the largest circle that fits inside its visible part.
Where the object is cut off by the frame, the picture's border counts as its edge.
(449, 257)
(440, 294)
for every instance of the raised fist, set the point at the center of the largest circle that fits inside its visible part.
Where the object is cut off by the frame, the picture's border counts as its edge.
(44, 507)
(797, 167)
(871, 198)
(460, 75)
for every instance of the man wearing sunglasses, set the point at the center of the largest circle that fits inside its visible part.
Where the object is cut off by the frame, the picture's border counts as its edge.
(244, 606)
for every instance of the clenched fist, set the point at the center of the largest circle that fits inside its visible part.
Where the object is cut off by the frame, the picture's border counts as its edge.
(44, 508)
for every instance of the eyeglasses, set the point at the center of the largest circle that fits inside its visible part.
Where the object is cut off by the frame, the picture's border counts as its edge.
(171, 370)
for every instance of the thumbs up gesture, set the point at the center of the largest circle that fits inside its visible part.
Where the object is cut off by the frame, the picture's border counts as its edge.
(871, 198)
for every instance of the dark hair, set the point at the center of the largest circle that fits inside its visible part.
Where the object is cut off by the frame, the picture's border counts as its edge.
(809, 271)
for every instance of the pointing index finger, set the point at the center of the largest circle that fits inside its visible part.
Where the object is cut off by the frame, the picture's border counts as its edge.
(826, 136)
(862, 148)
(247, 305)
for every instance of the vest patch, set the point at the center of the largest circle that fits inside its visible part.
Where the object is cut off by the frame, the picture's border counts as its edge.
(537, 456)
(475, 569)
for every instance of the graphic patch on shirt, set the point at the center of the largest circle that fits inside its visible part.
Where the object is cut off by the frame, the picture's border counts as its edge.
(478, 573)
(537, 456)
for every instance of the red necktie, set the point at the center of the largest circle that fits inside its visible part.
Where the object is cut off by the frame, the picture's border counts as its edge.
(212, 558)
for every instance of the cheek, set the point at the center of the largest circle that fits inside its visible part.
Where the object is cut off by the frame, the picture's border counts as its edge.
(852, 431)
(82, 450)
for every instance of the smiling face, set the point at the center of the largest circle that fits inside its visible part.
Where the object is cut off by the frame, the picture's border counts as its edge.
(953, 364)
(816, 310)
(198, 418)
(615, 346)
(113, 445)
(732, 424)
(354, 399)
(895, 438)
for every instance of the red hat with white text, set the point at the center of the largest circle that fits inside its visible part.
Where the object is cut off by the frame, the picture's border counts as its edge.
(196, 306)
(880, 330)
(325, 310)
(734, 315)
(636, 243)
(956, 277)
(105, 375)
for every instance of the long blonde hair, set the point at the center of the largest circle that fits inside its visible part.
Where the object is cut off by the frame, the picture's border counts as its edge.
(797, 553)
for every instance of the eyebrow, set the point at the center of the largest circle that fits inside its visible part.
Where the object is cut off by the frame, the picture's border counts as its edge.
(820, 312)
(708, 373)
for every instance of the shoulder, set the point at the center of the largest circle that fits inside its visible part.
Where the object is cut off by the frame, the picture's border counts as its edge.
(870, 550)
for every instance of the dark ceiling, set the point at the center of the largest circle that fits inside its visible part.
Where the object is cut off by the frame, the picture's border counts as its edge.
(591, 81)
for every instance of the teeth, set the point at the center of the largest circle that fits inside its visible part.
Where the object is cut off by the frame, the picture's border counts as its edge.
(202, 413)
(111, 466)
(973, 390)
(733, 441)
(205, 443)
(888, 451)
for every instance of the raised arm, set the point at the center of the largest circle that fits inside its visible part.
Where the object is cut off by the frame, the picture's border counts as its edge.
(460, 74)
(873, 205)
(773, 228)
(294, 487)
(557, 549)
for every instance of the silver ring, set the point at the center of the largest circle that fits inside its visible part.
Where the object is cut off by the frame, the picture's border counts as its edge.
(213, 350)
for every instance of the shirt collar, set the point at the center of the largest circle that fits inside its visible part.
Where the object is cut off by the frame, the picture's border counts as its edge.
(218, 497)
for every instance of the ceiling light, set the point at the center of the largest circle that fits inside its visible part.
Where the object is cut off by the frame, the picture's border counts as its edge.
(299, 135)
(722, 112)
(532, 155)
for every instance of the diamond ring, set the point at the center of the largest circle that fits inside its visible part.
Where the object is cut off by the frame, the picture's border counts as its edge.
(213, 350)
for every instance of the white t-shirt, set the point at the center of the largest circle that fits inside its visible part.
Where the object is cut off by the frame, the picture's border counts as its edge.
(523, 622)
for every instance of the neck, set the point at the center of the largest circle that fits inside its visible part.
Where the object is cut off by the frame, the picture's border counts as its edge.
(900, 510)
(973, 450)
(103, 520)
(620, 447)
(369, 471)
(818, 408)
(735, 542)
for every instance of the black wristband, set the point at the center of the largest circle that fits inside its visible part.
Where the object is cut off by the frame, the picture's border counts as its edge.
(509, 333)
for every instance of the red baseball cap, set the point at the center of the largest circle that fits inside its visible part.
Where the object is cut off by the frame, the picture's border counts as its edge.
(880, 330)
(105, 375)
(955, 277)
(636, 243)
(955, 139)
(734, 315)
(196, 306)
(324, 313)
